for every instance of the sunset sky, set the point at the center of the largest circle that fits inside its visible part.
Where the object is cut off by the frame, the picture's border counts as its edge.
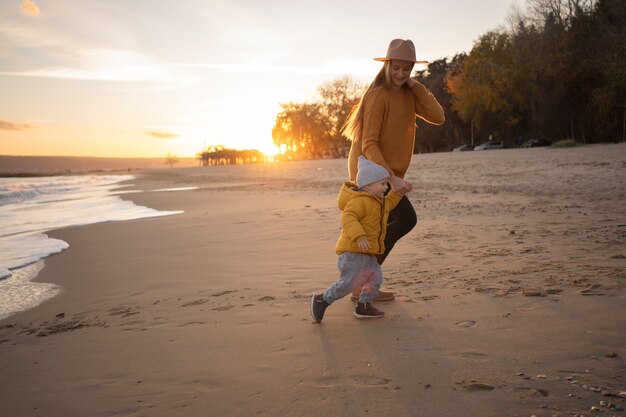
(141, 78)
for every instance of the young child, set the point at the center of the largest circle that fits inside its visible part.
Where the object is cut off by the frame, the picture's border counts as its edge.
(365, 210)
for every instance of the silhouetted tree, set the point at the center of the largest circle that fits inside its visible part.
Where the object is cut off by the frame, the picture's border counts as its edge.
(313, 129)
(337, 98)
(171, 159)
(299, 129)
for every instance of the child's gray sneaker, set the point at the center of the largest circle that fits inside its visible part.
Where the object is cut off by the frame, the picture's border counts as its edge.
(367, 311)
(318, 307)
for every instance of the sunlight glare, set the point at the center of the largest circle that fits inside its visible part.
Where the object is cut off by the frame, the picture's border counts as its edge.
(270, 151)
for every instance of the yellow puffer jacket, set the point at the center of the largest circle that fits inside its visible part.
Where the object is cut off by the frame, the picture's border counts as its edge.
(363, 215)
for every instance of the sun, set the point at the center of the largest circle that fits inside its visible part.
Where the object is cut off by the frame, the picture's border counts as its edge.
(250, 131)
(269, 149)
(245, 140)
(229, 123)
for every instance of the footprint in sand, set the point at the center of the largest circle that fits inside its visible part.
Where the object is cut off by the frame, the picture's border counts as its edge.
(477, 386)
(195, 303)
(362, 380)
(475, 356)
(124, 311)
(223, 308)
(68, 327)
(465, 323)
(370, 380)
(191, 323)
(326, 382)
(219, 294)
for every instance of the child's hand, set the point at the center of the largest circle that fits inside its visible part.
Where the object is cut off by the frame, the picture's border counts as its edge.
(363, 243)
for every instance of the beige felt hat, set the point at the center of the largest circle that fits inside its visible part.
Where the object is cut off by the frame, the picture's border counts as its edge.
(402, 50)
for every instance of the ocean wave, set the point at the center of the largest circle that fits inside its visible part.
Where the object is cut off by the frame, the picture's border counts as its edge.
(29, 207)
(23, 190)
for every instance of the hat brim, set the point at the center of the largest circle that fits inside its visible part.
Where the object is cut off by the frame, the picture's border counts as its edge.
(389, 59)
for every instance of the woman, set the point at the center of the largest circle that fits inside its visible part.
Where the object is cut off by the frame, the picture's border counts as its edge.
(382, 128)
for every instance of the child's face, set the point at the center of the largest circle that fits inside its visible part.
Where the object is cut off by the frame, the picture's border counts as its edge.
(378, 188)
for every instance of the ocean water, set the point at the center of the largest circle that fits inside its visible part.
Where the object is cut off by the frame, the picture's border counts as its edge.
(30, 207)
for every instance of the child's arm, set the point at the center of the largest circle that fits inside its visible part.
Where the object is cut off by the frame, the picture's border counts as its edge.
(393, 198)
(351, 225)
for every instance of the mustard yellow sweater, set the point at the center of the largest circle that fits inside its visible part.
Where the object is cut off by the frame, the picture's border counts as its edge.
(388, 133)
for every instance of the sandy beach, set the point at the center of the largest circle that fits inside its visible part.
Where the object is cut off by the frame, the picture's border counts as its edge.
(510, 297)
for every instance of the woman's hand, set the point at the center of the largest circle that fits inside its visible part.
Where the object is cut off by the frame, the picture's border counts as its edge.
(399, 185)
(410, 82)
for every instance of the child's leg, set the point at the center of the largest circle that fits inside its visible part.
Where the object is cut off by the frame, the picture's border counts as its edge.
(353, 272)
(370, 288)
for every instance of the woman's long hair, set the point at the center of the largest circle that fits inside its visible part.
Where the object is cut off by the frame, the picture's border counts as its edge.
(354, 123)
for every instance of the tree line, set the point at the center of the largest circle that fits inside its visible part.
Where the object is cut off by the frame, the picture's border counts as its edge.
(558, 71)
(220, 155)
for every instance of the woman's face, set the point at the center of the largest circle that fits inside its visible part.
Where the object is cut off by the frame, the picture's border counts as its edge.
(400, 71)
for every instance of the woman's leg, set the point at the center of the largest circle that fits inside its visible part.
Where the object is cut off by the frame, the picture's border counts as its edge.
(402, 219)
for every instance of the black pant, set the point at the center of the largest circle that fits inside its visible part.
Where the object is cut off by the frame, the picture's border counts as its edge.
(402, 219)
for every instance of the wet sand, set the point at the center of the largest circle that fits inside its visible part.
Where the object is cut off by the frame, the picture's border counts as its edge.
(510, 298)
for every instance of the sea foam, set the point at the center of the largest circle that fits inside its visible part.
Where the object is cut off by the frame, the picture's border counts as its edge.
(29, 207)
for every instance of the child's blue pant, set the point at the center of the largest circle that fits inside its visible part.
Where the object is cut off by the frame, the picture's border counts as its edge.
(357, 270)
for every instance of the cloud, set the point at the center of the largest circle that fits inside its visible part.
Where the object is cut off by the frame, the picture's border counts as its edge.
(5, 125)
(29, 8)
(336, 67)
(104, 65)
(162, 135)
(26, 36)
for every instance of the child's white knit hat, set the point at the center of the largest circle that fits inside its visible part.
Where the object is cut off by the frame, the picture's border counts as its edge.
(369, 172)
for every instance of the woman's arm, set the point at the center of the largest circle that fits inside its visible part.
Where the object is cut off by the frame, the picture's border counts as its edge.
(426, 106)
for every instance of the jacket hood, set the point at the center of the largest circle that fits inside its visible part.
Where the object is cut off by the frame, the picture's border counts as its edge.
(349, 190)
